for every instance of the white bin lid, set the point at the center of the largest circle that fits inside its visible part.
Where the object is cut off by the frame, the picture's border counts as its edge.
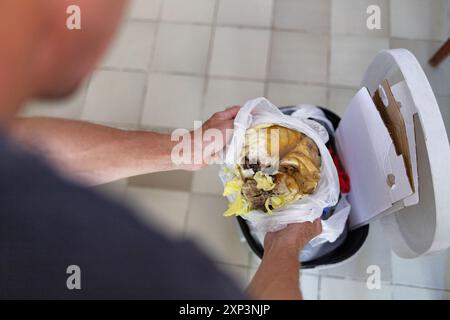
(423, 228)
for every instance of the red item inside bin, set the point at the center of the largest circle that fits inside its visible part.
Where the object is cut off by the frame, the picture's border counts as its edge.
(344, 179)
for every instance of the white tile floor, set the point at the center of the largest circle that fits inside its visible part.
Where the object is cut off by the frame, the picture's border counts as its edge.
(182, 93)
(286, 94)
(145, 9)
(251, 13)
(303, 15)
(201, 11)
(299, 57)
(221, 93)
(181, 48)
(430, 13)
(239, 52)
(115, 97)
(176, 61)
(134, 40)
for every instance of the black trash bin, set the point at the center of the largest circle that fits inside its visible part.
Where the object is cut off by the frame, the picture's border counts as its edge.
(349, 246)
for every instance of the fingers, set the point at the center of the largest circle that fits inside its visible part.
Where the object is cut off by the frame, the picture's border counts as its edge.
(228, 124)
(308, 229)
(229, 113)
(228, 134)
(296, 235)
(317, 226)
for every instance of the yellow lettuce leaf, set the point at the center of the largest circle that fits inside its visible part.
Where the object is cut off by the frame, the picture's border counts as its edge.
(233, 186)
(238, 207)
(279, 201)
(263, 182)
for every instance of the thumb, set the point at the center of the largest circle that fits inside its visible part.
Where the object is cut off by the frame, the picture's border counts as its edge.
(229, 113)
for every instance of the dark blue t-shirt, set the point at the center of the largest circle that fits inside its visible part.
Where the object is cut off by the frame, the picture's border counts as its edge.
(48, 224)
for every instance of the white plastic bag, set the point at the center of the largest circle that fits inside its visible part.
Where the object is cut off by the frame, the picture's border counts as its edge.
(261, 111)
(318, 247)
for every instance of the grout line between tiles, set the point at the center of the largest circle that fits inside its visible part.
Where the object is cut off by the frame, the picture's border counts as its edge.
(209, 57)
(235, 78)
(205, 78)
(227, 25)
(231, 264)
(179, 73)
(388, 11)
(249, 260)
(232, 78)
(418, 287)
(143, 20)
(391, 38)
(269, 51)
(119, 69)
(150, 64)
(263, 28)
(319, 288)
(329, 47)
(269, 28)
(349, 278)
(435, 42)
(85, 94)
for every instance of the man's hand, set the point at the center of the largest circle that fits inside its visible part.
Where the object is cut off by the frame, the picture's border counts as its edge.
(278, 275)
(220, 124)
(293, 237)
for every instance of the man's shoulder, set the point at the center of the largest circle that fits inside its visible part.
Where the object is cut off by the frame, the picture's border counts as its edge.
(48, 223)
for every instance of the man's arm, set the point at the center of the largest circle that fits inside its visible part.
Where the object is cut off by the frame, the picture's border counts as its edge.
(278, 276)
(96, 154)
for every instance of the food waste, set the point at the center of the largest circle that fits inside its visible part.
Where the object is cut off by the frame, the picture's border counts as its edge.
(277, 167)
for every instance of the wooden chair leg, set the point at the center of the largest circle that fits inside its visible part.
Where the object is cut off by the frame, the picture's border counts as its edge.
(441, 54)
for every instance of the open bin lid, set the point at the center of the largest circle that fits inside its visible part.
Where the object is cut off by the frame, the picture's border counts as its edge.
(419, 224)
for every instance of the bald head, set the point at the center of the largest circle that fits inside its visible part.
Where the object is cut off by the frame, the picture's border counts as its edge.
(41, 55)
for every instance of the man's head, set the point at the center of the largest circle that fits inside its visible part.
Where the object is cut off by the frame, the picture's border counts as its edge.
(41, 55)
